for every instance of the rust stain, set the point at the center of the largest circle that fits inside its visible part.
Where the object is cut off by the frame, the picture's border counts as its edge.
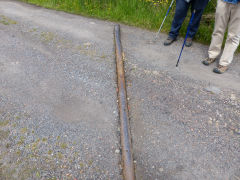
(127, 158)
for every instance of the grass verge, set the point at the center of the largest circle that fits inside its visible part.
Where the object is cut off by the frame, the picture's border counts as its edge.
(147, 14)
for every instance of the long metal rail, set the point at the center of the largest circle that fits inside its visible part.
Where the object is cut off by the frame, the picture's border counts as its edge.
(127, 158)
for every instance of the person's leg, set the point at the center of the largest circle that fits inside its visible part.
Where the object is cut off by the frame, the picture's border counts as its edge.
(180, 14)
(196, 21)
(221, 21)
(233, 36)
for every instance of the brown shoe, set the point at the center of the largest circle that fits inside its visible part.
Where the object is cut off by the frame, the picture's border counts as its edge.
(169, 41)
(188, 42)
(208, 61)
(220, 69)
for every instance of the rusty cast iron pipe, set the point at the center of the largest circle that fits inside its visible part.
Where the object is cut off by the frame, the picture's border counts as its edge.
(127, 159)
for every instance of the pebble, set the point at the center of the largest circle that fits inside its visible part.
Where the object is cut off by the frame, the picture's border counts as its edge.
(213, 89)
(87, 44)
(233, 97)
(161, 169)
(208, 102)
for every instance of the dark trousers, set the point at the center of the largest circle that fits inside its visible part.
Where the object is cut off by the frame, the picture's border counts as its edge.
(180, 13)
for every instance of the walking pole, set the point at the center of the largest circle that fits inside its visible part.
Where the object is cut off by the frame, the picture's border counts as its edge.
(164, 19)
(188, 29)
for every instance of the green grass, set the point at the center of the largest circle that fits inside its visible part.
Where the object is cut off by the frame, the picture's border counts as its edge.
(147, 14)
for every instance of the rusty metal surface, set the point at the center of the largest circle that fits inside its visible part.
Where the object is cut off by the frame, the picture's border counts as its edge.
(127, 159)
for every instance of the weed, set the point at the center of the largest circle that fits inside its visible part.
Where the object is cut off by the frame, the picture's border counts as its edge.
(23, 130)
(6, 21)
(4, 134)
(63, 145)
(4, 123)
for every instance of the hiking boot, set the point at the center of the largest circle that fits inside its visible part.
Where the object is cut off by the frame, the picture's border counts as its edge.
(208, 61)
(188, 42)
(169, 41)
(220, 69)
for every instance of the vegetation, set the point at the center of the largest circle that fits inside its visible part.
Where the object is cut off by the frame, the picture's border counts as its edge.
(146, 14)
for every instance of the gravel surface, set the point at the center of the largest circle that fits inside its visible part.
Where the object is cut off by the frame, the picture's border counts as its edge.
(185, 121)
(58, 105)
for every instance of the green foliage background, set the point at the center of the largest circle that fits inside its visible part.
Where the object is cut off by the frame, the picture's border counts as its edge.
(146, 14)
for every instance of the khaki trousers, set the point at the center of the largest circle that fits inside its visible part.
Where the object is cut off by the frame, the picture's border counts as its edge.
(227, 15)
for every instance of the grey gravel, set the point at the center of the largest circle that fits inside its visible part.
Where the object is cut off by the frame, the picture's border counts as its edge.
(58, 105)
(181, 130)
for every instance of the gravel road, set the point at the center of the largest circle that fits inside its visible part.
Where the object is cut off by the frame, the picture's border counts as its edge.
(58, 104)
(59, 117)
(185, 121)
